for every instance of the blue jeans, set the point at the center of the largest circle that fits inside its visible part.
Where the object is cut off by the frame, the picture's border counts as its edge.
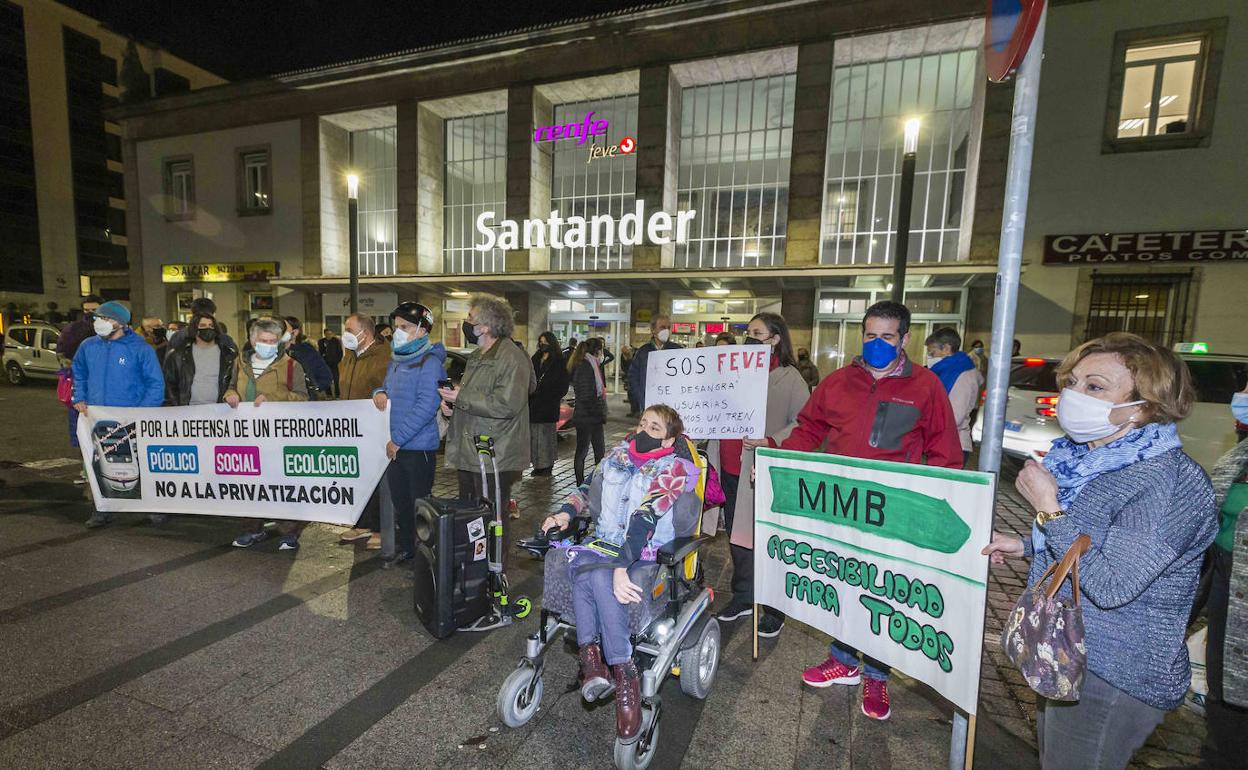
(73, 427)
(848, 656)
(599, 615)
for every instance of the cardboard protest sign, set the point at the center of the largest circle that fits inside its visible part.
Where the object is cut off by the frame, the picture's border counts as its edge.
(883, 556)
(300, 461)
(720, 392)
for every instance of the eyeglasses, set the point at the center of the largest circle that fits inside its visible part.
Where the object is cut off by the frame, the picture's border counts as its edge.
(759, 336)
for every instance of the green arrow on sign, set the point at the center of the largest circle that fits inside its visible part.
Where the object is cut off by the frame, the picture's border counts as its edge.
(897, 514)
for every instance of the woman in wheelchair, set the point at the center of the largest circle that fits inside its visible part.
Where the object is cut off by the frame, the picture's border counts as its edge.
(641, 496)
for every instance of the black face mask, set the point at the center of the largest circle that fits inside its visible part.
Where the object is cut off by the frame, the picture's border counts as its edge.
(207, 334)
(159, 333)
(470, 334)
(754, 341)
(644, 442)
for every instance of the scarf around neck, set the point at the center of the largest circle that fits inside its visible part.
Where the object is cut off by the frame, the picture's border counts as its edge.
(1076, 465)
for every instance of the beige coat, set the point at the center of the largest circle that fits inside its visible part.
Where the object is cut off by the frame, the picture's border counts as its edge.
(786, 395)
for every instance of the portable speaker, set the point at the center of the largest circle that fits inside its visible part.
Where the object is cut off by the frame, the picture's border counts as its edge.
(451, 563)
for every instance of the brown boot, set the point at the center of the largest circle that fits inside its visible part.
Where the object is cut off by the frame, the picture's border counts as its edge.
(595, 679)
(627, 701)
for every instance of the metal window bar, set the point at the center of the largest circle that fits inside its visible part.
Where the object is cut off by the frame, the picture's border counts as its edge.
(474, 174)
(1152, 306)
(374, 158)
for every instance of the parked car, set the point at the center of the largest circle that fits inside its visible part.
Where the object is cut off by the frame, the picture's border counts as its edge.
(30, 352)
(1031, 407)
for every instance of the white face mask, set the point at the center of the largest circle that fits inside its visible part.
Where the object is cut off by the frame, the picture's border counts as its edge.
(103, 327)
(663, 335)
(265, 350)
(931, 361)
(1085, 418)
(350, 341)
(401, 337)
(286, 338)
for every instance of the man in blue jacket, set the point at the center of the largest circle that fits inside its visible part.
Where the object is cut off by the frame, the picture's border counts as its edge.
(116, 367)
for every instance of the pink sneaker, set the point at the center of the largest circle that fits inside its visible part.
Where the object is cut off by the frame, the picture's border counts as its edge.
(831, 672)
(875, 698)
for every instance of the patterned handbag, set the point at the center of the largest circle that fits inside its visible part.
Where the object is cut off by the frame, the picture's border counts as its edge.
(1044, 635)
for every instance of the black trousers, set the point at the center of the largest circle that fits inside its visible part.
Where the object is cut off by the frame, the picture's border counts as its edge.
(370, 517)
(410, 478)
(470, 489)
(1219, 601)
(586, 435)
(742, 558)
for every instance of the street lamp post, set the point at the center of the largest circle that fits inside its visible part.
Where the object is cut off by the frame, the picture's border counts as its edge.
(910, 146)
(353, 228)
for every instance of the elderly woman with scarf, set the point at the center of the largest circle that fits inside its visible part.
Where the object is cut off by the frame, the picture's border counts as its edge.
(590, 414)
(643, 495)
(1120, 476)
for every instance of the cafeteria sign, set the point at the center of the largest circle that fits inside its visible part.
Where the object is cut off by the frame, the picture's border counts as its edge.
(218, 272)
(883, 556)
(1145, 248)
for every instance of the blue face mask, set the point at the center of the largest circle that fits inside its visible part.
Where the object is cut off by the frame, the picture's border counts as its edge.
(878, 353)
(266, 350)
(1239, 407)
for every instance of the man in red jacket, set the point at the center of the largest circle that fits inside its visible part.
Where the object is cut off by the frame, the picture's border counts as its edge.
(881, 407)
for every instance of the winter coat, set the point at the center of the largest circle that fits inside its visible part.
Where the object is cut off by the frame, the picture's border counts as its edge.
(787, 394)
(360, 374)
(282, 380)
(120, 372)
(904, 416)
(637, 368)
(552, 386)
(313, 365)
(1235, 650)
(494, 401)
(411, 383)
(180, 371)
(331, 350)
(591, 408)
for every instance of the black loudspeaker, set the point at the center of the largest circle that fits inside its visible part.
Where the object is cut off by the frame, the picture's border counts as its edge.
(451, 563)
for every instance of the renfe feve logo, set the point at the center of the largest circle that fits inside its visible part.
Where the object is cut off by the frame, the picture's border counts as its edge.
(336, 461)
(581, 131)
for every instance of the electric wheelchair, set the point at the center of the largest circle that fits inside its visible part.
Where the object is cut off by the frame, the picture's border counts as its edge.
(672, 630)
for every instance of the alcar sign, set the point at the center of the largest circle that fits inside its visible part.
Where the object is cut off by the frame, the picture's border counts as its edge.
(556, 232)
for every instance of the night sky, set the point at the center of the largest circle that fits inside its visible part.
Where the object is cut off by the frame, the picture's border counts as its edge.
(240, 39)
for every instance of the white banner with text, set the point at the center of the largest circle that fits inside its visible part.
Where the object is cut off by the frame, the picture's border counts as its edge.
(720, 392)
(884, 557)
(299, 461)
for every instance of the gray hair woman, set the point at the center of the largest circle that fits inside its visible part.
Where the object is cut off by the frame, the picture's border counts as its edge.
(492, 399)
(1121, 477)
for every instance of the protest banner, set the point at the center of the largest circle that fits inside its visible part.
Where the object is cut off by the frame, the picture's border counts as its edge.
(720, 392)
(883, 556)
(297, 461)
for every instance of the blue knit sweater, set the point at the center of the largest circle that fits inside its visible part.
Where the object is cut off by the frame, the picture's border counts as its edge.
(1150, 524)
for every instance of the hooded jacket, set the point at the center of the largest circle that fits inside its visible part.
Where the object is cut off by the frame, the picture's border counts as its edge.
(282, 380)
(411, 384)
(180, 372)
(118, 372)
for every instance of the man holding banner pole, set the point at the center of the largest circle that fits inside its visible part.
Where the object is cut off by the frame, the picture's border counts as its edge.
(880, 407)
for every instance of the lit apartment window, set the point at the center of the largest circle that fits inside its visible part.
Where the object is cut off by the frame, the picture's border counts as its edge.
(475, 180)
(179, 188)
(1163, 86)
(374, 157)
(607, 185)
(735, 143)
(255, 193)
(871, 100)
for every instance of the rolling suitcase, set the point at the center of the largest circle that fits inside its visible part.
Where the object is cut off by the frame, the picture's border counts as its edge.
(451, 563)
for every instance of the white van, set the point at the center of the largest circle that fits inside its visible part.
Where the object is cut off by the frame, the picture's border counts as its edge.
(30, 352)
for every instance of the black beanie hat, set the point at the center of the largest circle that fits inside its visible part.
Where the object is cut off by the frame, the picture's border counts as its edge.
(416, 313)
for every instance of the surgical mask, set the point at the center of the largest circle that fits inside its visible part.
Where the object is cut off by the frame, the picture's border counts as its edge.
(285, 338)
(350, 341)
(931, 361)
(643, 442)
(265, 350)
(1239, 407)
(206, 334)
(1085, 418)
(878, 353)
(663, 335)
(401, 337)
(103, 327)
(470, 332)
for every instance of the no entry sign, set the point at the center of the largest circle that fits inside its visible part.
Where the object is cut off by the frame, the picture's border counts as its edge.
(1007, 34)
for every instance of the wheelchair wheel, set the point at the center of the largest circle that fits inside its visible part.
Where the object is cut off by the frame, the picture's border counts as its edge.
(699, 663)
(640, 753)
(515, 705)
(524, 606)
